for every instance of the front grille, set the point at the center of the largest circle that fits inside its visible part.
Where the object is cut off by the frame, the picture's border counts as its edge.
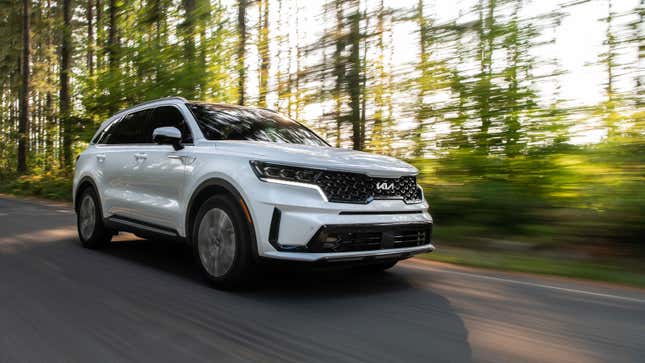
(350, 238)
(359, 188)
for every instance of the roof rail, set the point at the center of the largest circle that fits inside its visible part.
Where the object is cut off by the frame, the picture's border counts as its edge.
(177, 98)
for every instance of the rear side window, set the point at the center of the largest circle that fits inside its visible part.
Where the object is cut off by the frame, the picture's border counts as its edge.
(130, 130)
(168, 116)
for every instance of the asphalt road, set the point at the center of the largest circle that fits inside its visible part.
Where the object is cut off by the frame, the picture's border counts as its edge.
(145, 301)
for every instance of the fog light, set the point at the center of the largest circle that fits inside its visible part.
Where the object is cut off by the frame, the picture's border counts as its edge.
(328, 241)
(331, 238)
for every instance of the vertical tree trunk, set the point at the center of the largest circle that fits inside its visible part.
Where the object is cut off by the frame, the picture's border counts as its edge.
(354, 80)
(279, 42)
(486, 39)
(23, 122)
(113, 55)
(640, 76)
(263, 50)
(339, 70)
(513, 57)
(376, 142)
(65, 103)
(610, 60)
(158, 16)
(204, 18)
(189, 45)
(90, 38)
(363, 94)
(241, 50)
(423, 64)
(99, 44)
(611, 53)
(296, 91)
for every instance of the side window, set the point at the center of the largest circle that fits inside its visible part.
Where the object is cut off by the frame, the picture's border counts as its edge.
(103, 135)
(130, 130)
(169, 116)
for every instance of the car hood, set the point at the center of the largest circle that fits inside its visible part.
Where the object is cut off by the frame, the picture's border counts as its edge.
(326, 158)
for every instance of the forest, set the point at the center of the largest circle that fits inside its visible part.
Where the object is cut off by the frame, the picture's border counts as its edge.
(525, 118)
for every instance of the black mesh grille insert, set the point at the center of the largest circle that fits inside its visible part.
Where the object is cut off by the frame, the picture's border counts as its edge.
(348, 238)
(359, 188)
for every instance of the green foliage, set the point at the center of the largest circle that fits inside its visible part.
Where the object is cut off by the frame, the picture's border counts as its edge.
(49, 185)
(552, 196)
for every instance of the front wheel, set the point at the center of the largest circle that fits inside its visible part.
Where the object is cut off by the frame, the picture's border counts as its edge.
(222, 242)
(89, 221)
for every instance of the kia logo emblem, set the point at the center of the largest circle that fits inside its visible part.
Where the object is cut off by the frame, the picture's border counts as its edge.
(384, 186)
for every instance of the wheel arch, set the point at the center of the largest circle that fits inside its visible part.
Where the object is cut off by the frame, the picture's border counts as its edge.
(86, 182)
(207, 189)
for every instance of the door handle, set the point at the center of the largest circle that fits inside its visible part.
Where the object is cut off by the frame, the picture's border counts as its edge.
(186, 160)
(100, 158)
(140, 156)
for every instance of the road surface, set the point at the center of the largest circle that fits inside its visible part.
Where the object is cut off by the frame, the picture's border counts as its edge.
(145, 301)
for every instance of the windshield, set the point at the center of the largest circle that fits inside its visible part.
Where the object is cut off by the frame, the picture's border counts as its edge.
(220, 122)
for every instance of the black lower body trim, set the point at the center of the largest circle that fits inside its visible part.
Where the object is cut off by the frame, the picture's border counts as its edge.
(370, 237)
(127, 224)
(380, 213)
(274, 229)
(274, 233)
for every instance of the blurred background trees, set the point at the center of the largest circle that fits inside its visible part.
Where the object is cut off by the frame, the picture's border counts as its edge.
(524, 117)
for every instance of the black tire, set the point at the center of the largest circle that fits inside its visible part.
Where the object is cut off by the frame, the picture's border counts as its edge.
(242, 268)
(380, 267)
(100, 235)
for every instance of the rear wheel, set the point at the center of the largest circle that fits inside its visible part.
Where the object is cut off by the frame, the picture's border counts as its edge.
(222, 242)
(89, 221)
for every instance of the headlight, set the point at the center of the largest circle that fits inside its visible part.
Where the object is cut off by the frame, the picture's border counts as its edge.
(290, 175)
(282, 172)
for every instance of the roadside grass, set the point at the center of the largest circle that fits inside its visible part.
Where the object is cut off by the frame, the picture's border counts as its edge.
(55, 186)
(614, 271)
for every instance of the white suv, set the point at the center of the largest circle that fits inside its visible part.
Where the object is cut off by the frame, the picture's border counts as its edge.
(242, 184)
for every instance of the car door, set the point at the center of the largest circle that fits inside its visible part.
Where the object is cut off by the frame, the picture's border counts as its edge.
(158, 178)
(117, 155)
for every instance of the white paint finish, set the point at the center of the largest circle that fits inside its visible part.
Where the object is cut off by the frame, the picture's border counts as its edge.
(154, 184)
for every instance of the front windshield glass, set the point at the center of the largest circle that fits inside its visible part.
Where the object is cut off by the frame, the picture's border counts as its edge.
(221, 122)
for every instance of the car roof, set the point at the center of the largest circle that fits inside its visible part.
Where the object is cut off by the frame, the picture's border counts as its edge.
(228, 106)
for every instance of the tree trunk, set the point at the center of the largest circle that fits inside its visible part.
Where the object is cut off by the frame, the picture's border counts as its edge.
(486, 39)
(263, 50)
(99, 35)
(354, 81)
(23, 122)
(339, 71)
(113, 55)
(65, 104)
(296, 90)
(640, 76)
(241, 50)
(204, 19)
(90, 38)
(189, 45)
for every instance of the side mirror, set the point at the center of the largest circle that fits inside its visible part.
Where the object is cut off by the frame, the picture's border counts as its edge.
(167, 136)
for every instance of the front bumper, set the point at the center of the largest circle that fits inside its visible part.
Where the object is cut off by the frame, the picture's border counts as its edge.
(288, 218)
(390, 254)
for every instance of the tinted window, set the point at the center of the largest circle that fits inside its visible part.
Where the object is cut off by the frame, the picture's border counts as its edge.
(130, 130)
(219, 122)
(169, 116)
(100, 138)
